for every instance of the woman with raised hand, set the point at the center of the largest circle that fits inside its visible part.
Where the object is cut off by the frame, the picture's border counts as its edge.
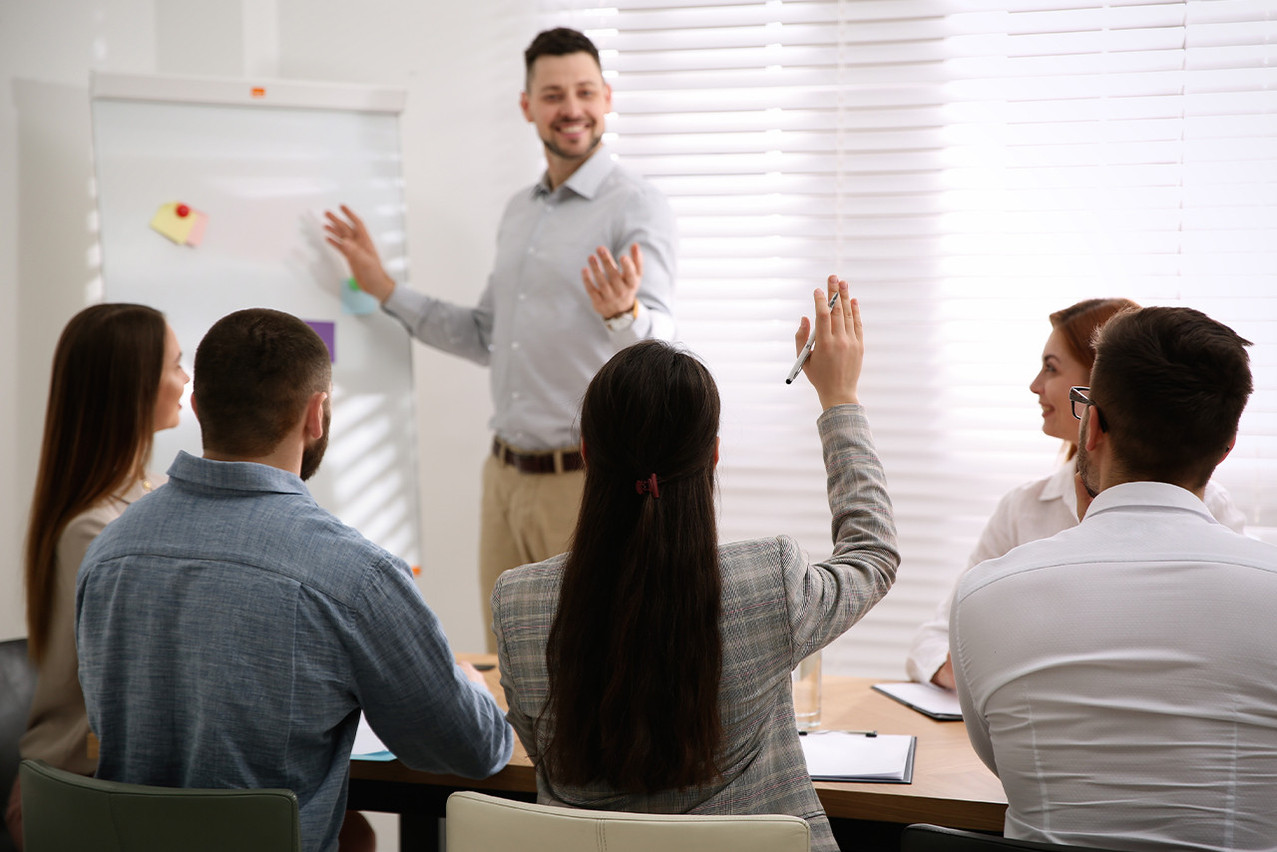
(117, 379)
(648, 669)
(1046, 506)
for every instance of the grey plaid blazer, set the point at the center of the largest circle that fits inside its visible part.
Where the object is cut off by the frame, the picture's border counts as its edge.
(777, 609)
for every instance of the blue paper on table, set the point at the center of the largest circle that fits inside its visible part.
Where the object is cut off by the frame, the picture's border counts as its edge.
(368, 746)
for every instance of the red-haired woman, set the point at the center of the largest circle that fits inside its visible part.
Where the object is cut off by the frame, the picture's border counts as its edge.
(1046, 506)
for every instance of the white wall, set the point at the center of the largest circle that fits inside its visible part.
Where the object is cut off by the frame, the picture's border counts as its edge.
(46, 268)
(466, 149)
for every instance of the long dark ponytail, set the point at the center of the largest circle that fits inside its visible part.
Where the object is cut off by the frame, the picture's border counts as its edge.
(634, 653)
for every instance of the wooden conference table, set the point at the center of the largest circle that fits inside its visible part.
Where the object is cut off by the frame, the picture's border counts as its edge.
(950, 786)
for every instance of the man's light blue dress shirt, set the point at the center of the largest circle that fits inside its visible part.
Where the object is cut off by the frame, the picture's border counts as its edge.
(230, 630)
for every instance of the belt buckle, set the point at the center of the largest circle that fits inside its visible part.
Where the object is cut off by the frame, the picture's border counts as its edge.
(546, 461)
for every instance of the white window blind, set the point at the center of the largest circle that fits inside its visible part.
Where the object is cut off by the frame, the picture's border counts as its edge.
(969, 168)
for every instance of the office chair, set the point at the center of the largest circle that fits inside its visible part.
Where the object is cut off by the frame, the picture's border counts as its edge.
(935, 838)
(477, 823)
(17, 685)
(62, 810)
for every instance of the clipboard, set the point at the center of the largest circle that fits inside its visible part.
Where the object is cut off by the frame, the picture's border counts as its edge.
(926, 698)
(859, 756)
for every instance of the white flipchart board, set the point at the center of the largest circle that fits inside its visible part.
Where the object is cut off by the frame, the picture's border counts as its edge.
(262, 161)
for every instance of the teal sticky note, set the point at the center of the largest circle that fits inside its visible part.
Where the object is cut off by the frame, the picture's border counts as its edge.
(355, 301)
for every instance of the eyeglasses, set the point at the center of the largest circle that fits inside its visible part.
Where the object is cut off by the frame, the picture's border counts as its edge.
(1082, 396)
(1079, 396)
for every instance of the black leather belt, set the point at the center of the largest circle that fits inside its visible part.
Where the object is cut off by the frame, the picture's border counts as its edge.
(551, 461)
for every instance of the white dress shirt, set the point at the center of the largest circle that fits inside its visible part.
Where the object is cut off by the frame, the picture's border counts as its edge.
(1035, 510)
(1120, 678)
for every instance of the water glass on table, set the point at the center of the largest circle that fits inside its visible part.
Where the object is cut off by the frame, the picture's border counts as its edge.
(806, 684)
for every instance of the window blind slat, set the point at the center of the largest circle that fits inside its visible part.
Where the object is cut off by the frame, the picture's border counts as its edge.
(970, 166)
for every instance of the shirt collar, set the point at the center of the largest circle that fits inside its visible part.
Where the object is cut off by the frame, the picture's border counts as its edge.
(234, 476)
(585, 181)
(1059, 486)
(1160, 495)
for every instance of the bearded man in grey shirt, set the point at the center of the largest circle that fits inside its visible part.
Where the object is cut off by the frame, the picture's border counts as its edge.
(584, 267)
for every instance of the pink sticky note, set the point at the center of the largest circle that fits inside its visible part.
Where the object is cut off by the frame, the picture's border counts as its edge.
(197, 228)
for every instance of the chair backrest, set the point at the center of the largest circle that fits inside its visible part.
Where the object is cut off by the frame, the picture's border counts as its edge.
(17, 685)
(62, 810)
(934, 838)
(477, 823)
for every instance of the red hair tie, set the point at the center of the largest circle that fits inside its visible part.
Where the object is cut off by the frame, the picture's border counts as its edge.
(648, 486)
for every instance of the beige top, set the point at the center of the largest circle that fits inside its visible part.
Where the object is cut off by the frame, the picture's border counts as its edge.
(57, 727)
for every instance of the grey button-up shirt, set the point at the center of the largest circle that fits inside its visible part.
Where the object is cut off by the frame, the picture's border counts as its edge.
(230, 630)
(534, 323)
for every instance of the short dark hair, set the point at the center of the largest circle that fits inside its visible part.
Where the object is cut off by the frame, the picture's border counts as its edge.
(255, 371)
(560, 41)
(1172, 384)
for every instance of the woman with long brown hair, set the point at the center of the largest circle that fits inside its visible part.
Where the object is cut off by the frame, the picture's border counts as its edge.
(117, 379)
(648, 669)
(1046, 506)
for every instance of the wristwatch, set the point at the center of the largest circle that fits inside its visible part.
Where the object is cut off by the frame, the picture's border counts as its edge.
(623, 320)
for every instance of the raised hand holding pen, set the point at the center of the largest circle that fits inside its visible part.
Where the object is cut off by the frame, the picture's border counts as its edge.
(805, 352)
(833, 366)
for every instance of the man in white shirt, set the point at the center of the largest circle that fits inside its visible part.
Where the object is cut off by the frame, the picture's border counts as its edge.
(1120, 678)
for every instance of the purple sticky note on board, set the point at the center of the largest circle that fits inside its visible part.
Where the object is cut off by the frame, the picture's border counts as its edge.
(327, 331)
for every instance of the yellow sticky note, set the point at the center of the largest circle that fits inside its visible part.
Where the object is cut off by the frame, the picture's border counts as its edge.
(180, 223)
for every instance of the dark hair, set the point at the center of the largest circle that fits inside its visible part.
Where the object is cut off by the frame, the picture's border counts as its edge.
(255, 371)
(634, 654)
(98, 428)
(1172, 384)
(559, 41)
(1078, 323)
